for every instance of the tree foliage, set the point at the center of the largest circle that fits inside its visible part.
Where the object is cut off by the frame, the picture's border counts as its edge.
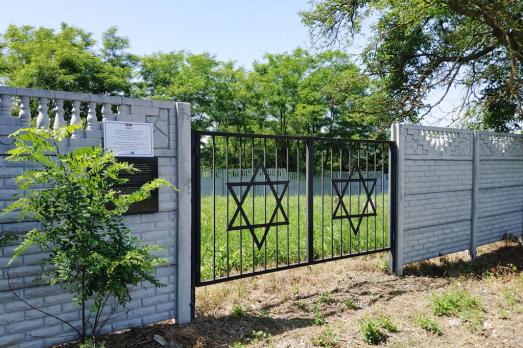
(73, 195)
(65, 60)
(286, 93)
(419, 46)
(298, 92)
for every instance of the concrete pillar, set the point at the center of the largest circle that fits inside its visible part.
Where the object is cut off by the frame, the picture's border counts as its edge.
(183, 281)
(397, 266)
(475, 195)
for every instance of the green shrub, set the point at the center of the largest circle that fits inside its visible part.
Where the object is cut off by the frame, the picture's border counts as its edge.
(428, 324)
(375, 330)
(73, 195)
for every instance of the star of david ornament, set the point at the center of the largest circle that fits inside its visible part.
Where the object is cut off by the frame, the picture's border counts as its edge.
(239, 200)
(340, 187)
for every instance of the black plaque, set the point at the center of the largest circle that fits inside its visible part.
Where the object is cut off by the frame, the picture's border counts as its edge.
(148, 167)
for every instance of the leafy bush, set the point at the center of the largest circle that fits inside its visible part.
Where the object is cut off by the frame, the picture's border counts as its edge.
(93, 253)
(375, 330)
(428, 324)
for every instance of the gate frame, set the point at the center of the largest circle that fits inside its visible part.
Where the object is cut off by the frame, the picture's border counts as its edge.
(195, 136)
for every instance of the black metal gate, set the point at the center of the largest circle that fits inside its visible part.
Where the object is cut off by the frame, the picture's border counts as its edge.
(263, 203)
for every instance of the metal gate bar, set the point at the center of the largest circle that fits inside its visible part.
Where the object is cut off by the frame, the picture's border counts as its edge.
(248, 177)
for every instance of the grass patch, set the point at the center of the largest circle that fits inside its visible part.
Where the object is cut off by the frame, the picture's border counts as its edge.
(301, 304)
(383, 265)
(91, 344)
(237, 310)
(375, 330)
(326, 338)
(428, 324)
(319, 319)
(459, 303)
(454, 303)
(284, 244)
(512, 297)
(326, 298)
(349, 304)
(259, 336)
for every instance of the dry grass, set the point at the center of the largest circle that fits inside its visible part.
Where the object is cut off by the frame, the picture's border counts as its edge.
(280, 309)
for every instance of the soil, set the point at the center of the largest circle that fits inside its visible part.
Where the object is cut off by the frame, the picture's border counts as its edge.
(323, 304)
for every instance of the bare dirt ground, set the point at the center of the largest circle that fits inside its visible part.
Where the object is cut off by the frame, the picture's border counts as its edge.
(322, 305)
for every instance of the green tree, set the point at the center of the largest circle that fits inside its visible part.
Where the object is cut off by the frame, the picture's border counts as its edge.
(275, 88)
(216, 90)
(115, 50)
(335, 97)
(64, 60)
(92, 253)
(419, 46)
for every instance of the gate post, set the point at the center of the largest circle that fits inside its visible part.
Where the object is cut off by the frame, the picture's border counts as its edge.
(396, 163)
(310, 200)
(184, 286)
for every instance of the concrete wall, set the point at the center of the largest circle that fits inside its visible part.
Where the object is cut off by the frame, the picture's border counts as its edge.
(21, 326)
(457, 189)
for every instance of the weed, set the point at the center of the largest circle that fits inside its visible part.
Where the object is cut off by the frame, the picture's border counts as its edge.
(319, 319)
(258, 336)
(237, 345)
(454, 302)
(504, 314)
(428, 324)
(301, 304)
(296, 291)
(375, 330)
(326, 298)
(265, 315)
(511, 297)
(349, 304)
(326, 338)
(459, 303)
(91, 344)
(383, 265)
(237, 310)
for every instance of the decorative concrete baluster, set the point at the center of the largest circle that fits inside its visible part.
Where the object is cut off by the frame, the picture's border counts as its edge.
(5, 105)
(107, 112)
(25, 111)
(123, 112)
(42, 121)
(75, 118)
(92, 123)
(59, 114)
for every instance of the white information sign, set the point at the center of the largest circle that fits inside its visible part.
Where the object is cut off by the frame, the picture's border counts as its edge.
(129, 139)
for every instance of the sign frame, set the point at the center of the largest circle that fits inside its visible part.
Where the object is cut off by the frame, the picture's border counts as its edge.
(148, 139)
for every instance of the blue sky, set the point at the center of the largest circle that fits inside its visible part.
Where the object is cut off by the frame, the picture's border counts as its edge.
(240, 30)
